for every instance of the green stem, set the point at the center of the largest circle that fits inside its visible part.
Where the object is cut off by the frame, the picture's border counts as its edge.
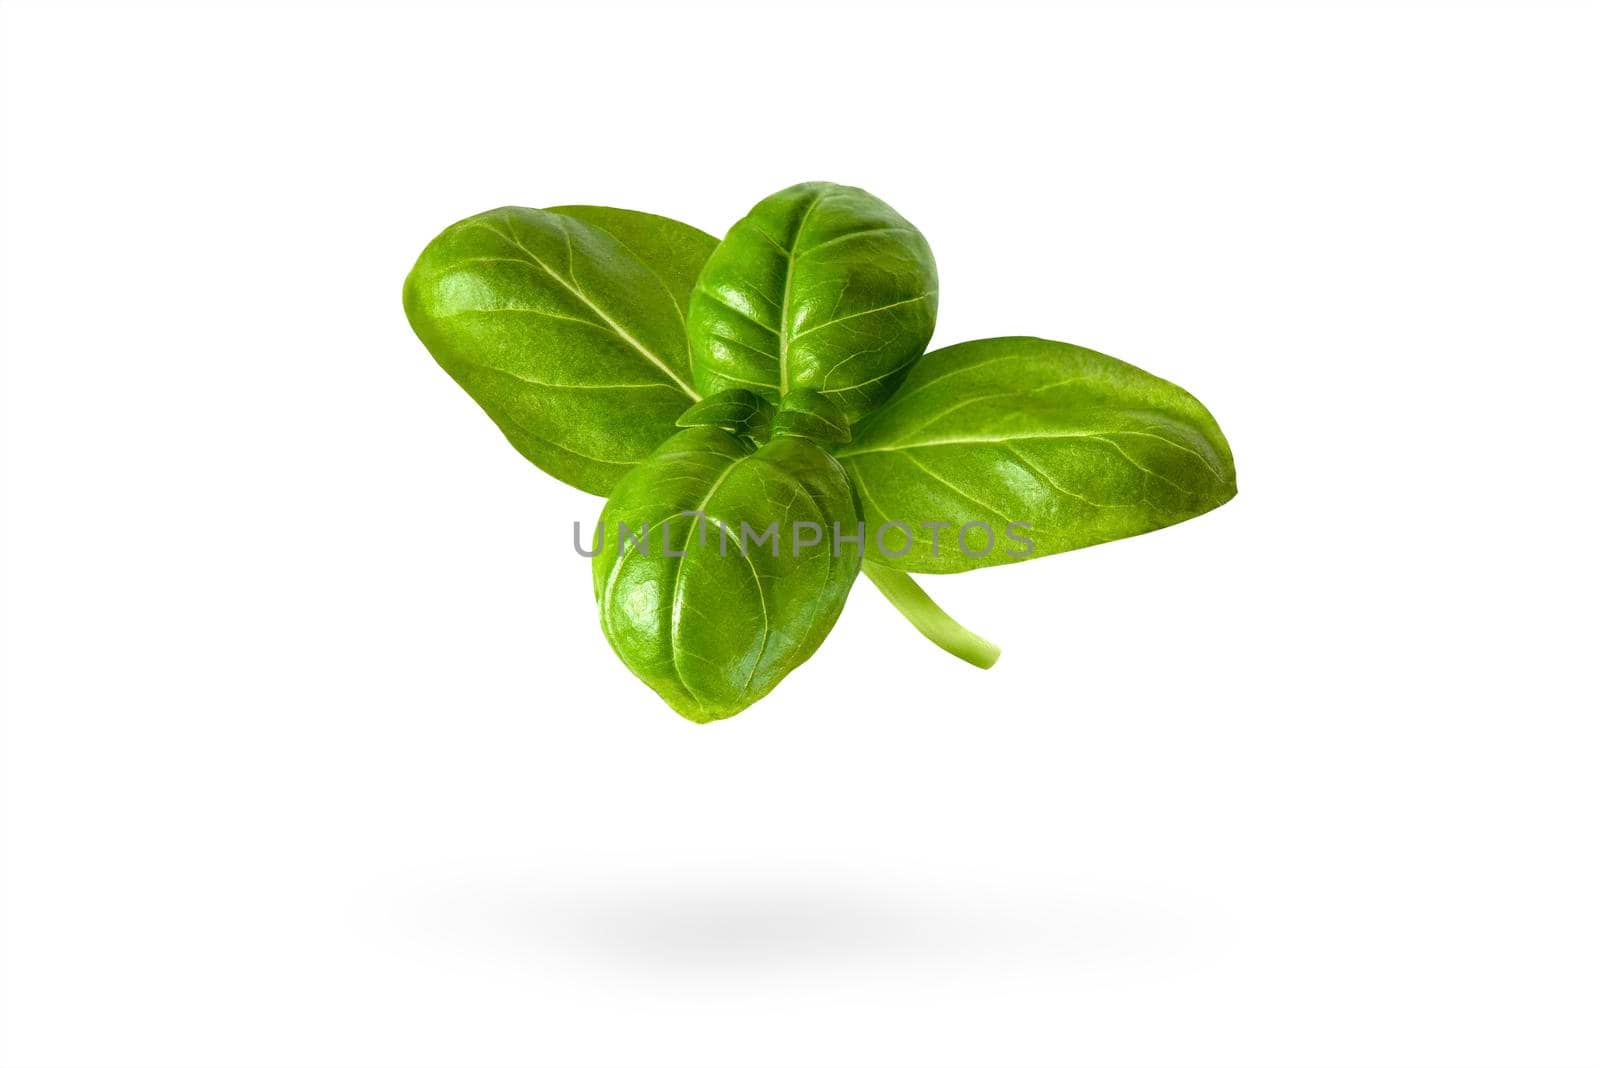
(914, 603)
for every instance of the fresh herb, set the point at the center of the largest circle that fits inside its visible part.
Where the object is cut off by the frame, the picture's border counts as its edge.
(764, 420)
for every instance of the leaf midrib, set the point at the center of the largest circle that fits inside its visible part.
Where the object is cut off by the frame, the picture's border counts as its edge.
(677, 576)
(1009, 438)
(788, 285)
(511, 236)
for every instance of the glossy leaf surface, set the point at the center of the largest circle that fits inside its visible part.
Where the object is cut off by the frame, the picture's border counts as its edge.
(716, 629)
(820, 287)
(674, 252)
(736, 410)
(1082, 447)
(567, 327)
(808, 414)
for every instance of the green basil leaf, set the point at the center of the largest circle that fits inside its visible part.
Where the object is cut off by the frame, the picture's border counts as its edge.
(674, 252)
(715, 629)
(736, 410)
(820, 287)
(1081, 447)
(567, 327)
(806, 413)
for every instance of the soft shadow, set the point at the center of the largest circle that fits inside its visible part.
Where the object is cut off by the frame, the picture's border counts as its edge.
(758, 926)
(735, 926)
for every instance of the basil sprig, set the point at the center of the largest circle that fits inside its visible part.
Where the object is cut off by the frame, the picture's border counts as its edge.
(773, 388)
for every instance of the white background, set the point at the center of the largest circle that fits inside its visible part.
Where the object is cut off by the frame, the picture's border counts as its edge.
(314, 753)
